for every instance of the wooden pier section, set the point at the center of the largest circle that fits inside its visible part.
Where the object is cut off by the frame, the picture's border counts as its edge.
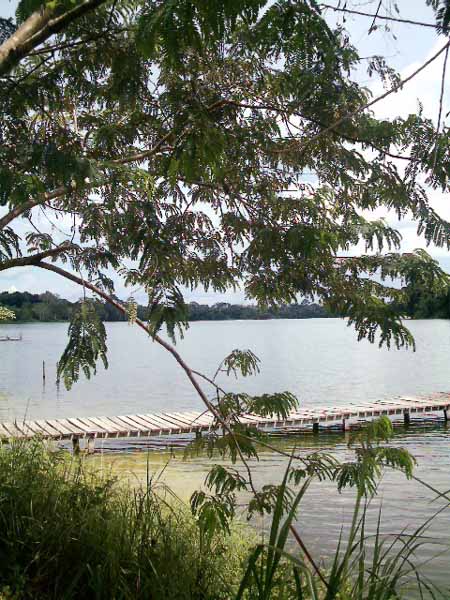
(196, 422)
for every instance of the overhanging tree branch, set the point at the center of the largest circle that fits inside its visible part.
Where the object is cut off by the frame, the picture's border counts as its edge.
(62, 190)
(20, 209)
(33, 259)
(37, 29)
(141, 324)
(188, 371)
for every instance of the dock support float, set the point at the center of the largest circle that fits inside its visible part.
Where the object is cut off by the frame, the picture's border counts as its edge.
(445, 415)
(316, 427)
(343, 424)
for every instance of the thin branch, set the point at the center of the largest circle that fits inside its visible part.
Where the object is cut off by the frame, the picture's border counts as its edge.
(372, 26)
(62, 190)
(369, 104)
(210, 381)
(141, 324)
(70, 45)
(381, 17)
(29, 204)
(345, 136)
(441, 101)
(189, 372)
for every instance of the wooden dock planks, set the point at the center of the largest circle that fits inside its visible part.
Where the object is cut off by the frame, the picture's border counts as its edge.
(195, 421)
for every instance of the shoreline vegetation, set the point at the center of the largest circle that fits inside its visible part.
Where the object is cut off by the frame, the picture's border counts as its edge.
(49, 307)
(69, 531)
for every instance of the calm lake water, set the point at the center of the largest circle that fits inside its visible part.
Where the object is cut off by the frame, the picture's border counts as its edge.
(319, 360)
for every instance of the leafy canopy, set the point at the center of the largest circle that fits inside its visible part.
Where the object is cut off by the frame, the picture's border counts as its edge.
(215, 144)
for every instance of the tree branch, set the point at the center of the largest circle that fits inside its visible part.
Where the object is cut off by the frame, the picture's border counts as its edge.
(33, 259)
(141, 324)
(30, 27)
(189, 372)
(395, 88)
(60, 191)
(315, 121)
(26, 206)
(36, 29)
(380, 17)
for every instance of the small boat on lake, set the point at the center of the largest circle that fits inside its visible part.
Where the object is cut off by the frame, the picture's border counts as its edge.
(8, 338)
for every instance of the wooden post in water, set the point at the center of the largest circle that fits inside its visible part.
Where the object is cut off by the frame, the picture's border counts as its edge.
(316, 427)
(90, 444)
(445, 415)
(343, 424)
(76, 444)
(406, 417)
(198, 434)
(43, 372)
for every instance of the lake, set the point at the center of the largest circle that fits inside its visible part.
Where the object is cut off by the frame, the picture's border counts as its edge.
(319, 360)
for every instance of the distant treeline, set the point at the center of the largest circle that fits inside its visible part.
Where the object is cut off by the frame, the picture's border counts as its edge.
(49, 307)
(420, 304)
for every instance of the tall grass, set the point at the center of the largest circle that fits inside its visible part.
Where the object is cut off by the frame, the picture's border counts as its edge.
(67, 533)
(364, 567)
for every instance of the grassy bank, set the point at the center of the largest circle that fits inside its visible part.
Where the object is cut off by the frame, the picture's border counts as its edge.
(66, 533)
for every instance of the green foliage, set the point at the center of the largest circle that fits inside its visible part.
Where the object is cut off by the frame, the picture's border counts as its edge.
(68, 532)
(167, 307)
(26, 7)
(279, 405)
(264, 564)
(213, 513)
(7, 28)
(425, 293)
(443, 16)
(372, 457)
(87, 343)
(187, 156)
(243, 361)
(175, 28)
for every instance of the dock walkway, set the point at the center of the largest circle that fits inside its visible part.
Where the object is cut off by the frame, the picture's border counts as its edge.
(174, 423)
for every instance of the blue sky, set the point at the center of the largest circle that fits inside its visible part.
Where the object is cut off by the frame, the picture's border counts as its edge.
(411, 47)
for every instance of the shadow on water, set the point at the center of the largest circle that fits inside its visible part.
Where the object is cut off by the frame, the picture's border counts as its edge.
(324, 514)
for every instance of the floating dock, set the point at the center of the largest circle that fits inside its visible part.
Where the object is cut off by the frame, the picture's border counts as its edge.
(196, 422)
